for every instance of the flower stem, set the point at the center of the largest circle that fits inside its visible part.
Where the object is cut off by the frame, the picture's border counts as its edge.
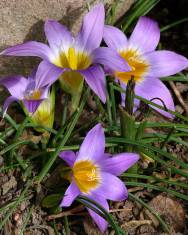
(52, 159)
(127, 120)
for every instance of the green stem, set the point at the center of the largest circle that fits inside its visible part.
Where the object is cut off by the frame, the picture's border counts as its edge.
(52, 159)
(18, 134)
(66, 224)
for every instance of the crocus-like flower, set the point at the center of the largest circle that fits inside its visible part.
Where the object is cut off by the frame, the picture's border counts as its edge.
(77, 57)
(44, 115)
(147, 65)
(94, 173)
(31, 91)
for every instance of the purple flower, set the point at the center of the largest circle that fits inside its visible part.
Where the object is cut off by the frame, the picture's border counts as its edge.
(31, 91)
(80, 55)
(94, 173)
(147, 65)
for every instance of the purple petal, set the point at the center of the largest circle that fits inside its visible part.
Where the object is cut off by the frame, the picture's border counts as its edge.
(153, 89)
(45, 92)
(6, 104)
(32, 105)
(114, 38)
(71, 193)
(101, 223)
(31, 48)
(69, 157)
(95, 78)
(16, 85)
(93, 145)
(145, 36)
(111, 188)
(110, 58)
(119, 163)
(47, 74)
(90, 35)
(57, 34)
(165, 63)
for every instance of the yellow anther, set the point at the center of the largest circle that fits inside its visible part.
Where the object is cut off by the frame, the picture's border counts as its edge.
(72, 58)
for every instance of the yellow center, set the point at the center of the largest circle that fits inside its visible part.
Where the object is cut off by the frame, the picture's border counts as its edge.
(73, 59)
(86, 175)
(33, 95)
(138, 66)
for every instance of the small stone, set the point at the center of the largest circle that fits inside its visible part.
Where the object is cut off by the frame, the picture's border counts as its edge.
(12, 183)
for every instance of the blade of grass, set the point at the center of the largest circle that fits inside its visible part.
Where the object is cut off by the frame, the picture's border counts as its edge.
(20, 199)
(169, 26)
(161, 221)
(52, 159)
(154, 178)
(158, 188)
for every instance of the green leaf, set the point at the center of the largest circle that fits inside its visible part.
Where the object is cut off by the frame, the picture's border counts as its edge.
(51, 200)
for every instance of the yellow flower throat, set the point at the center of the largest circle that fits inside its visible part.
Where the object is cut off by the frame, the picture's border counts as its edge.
(138, 66)
(86, 175)
(73, 59)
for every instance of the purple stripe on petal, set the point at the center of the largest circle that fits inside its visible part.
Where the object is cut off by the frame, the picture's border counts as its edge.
(68, 156)
(153, 89)
(31, 48)
(7, 103)
(90, 35)
(119, 163)
(110, 58)
(111, 188)
(101, 223)
(95, 78)
(47, 74)
(93, 145)
(58, 35)
(114, 38)
(165, 63)
(32, 105)
(16, 85)
(145, 36)
(71, 193)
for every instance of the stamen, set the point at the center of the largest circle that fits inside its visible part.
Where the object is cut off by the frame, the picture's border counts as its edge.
(32, 95)
(86, 175)
(138, 65)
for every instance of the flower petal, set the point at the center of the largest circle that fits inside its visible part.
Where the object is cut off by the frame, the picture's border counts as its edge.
(119, 163)
(111, 188)
(59, 37)
(165, 63)
(90, 35)
(68, 156)
(95, 78)
(32, 105)
(16, 85)
(101, 223)
(6, 104)
(47, 74)
(110, 58)
(93, 145)
(71, 193)
(154, 90)
(114, 38)
(145, 36)
(31, 48)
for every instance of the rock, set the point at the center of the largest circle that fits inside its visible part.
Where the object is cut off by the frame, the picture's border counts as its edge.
(24, 20)
(170, 210)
